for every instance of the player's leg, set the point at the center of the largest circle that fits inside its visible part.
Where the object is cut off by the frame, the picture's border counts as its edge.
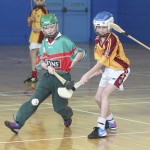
(98, 96)
(60, 104)
(33, 56)
(108, 90)
(42, 91)
(110, 122)
(61, 107)
(34, 48)
(120, 77)
(103, 102)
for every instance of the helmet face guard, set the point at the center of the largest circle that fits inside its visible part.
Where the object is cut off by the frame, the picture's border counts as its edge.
(48, 20)
(103, 19)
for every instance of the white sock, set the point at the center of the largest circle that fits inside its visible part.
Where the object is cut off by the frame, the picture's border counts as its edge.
(110, 118)
(101, 122)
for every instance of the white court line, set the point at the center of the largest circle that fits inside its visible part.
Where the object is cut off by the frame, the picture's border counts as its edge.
(93, 113)
(134, 103)
(18, 108)
(3, 94)
(15, 91)
(140, 74)
(113, 104)
(18, 59)
(77, 137)
(85, 88)
(2, 105)
(122, 99)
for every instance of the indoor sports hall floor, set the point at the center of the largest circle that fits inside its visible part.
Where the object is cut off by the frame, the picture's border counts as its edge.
(45, 129)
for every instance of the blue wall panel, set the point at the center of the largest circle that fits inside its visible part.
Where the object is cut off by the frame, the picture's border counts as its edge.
(73, 17)
(133, 16)
(13, 22)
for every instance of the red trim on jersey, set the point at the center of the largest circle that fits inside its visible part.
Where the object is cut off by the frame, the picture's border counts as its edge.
(110, 42)
(64, 58)
(41, 37)
(121, 62)
(60, 54)
(44, 10)
(120, 79)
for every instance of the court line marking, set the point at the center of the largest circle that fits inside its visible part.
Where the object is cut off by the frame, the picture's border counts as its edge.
(84, 89)
(146, 123)
(135, 121)
(73, 106)
(75, 137)
(50, 106)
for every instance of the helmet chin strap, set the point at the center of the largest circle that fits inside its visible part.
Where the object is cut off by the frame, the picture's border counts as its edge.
(52, 36)
(104, 35)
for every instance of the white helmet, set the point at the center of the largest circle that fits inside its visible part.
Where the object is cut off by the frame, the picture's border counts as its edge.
(103, 19)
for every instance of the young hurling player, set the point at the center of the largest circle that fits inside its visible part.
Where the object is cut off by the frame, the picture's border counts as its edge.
(36, 36)
(108, 52)
(57, 53)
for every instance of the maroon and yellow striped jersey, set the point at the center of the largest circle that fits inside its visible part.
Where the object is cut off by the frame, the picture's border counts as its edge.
(111, 52)
(36, 13)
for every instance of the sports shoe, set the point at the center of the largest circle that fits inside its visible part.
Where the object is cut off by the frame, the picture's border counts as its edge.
(67, 122)
(13, 126)
(97, 133)
(111, 126)
(31, 80)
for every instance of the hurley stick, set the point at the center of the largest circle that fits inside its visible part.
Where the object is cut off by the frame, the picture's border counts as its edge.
(64, 93)
(67, 84)
(120, 30)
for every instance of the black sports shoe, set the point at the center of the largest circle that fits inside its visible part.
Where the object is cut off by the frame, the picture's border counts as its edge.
(31, 80)
(13, 126)
(97, 133)
(67, 122)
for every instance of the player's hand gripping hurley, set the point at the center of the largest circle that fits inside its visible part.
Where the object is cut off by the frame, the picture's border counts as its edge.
(67, 84)
(120, 30)
(64, 93)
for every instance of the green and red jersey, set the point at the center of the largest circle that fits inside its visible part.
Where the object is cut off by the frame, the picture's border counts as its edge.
(58, 53)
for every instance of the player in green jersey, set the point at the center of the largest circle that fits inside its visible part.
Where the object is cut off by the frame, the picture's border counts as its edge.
(57, 53)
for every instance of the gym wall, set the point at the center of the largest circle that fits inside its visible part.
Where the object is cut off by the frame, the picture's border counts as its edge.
(133, 16)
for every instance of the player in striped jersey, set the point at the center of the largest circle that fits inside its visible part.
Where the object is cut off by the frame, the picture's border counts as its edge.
(109, 53)
(36, 36)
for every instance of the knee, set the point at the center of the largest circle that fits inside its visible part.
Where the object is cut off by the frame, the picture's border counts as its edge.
(97, 99)
(63, 110)
(58, 110)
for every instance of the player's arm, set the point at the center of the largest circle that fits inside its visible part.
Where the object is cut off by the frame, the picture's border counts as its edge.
(36, 30)
(29, 20)
(50, 69)
(77, 55)
(77, 58)
(40, 63)
(94, 69)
